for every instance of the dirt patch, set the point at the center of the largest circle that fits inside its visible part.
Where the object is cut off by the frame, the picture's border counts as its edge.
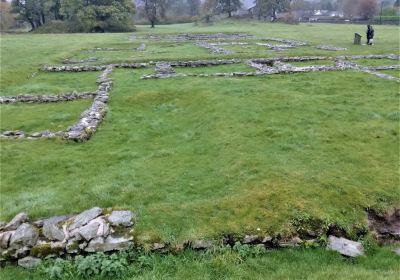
(385, 226)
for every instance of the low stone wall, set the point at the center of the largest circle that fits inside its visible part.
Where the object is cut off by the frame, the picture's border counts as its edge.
(104, 230)
(330, 48)
(275, 47)
(94, 230)
(91, 118)
(212, 48)
(88, 122)
(294, 43)
(26, 98)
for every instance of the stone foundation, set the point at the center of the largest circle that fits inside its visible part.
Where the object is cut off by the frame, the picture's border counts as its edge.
(94, 230)
(26, 98)
(91, 119)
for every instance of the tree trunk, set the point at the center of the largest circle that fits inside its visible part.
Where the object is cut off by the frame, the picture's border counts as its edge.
(32, 24)
(229, 14)
(152, 24)
(43, 18)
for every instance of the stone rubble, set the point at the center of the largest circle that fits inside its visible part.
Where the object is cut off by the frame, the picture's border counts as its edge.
(212, 48)
(381, 75)
(46, 98)
(164, 68)
(90, 231)
(91, 118)
(330, 48)
(276, 47)
(142, 47)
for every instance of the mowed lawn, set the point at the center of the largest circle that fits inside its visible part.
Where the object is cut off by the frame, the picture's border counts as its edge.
(198, 157)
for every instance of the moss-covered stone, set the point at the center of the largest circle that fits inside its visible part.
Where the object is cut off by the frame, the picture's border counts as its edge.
(46, 249)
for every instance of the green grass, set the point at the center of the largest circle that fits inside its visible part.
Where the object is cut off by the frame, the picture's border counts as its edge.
(230, 264)
(375, 62)
(198, 157)
(40, 117)
(53, 83)
(394, 72)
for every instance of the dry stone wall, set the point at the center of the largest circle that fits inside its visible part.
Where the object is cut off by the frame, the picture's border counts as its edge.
(27, 241)
(94, 230)
(26, 98)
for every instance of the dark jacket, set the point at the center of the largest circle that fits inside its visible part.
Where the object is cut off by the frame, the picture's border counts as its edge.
(370, 33)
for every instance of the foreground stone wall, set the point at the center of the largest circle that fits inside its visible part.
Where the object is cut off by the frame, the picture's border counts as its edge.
(94, 230)
(28, 241)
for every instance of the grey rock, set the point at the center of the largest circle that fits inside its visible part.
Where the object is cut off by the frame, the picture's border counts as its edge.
(83, 245)
(345, 247)
(16, 221)
(2, 225)
(397, 251)
(88, 231)
(294, 242)
(29, 262)
(250, 239)
(103, 229)
(201, 245)
(85, 217)
(121, 218)
(52, 220)
(53, 232)
(5, 239)
(267, 239)
(142, 47)
(101, 244)
(95, 245)
(25, 235)
(158, 247)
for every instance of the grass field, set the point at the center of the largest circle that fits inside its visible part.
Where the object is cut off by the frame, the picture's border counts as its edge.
(201, 157)
(232, 264)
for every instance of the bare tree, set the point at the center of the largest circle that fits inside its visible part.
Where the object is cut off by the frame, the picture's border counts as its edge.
(151, 11)
(368, 8)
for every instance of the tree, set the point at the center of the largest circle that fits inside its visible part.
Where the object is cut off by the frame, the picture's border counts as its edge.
(151, 11)
(32, 11)
(98, 15)
(350, 8)
(6, 18)
(228, 6)
(271, 7)
(368, 8)
(194, 7)
(209, 9)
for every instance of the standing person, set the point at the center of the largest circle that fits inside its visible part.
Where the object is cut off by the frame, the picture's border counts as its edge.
(370, 35)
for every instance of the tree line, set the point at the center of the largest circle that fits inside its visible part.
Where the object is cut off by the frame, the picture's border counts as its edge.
(118, 15)
(78, 15)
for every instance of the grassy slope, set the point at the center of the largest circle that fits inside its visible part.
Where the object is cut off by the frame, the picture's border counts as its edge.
(287, 264)
(198, 157)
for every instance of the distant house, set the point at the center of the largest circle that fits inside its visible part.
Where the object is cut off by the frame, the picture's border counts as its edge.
(247, 9)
